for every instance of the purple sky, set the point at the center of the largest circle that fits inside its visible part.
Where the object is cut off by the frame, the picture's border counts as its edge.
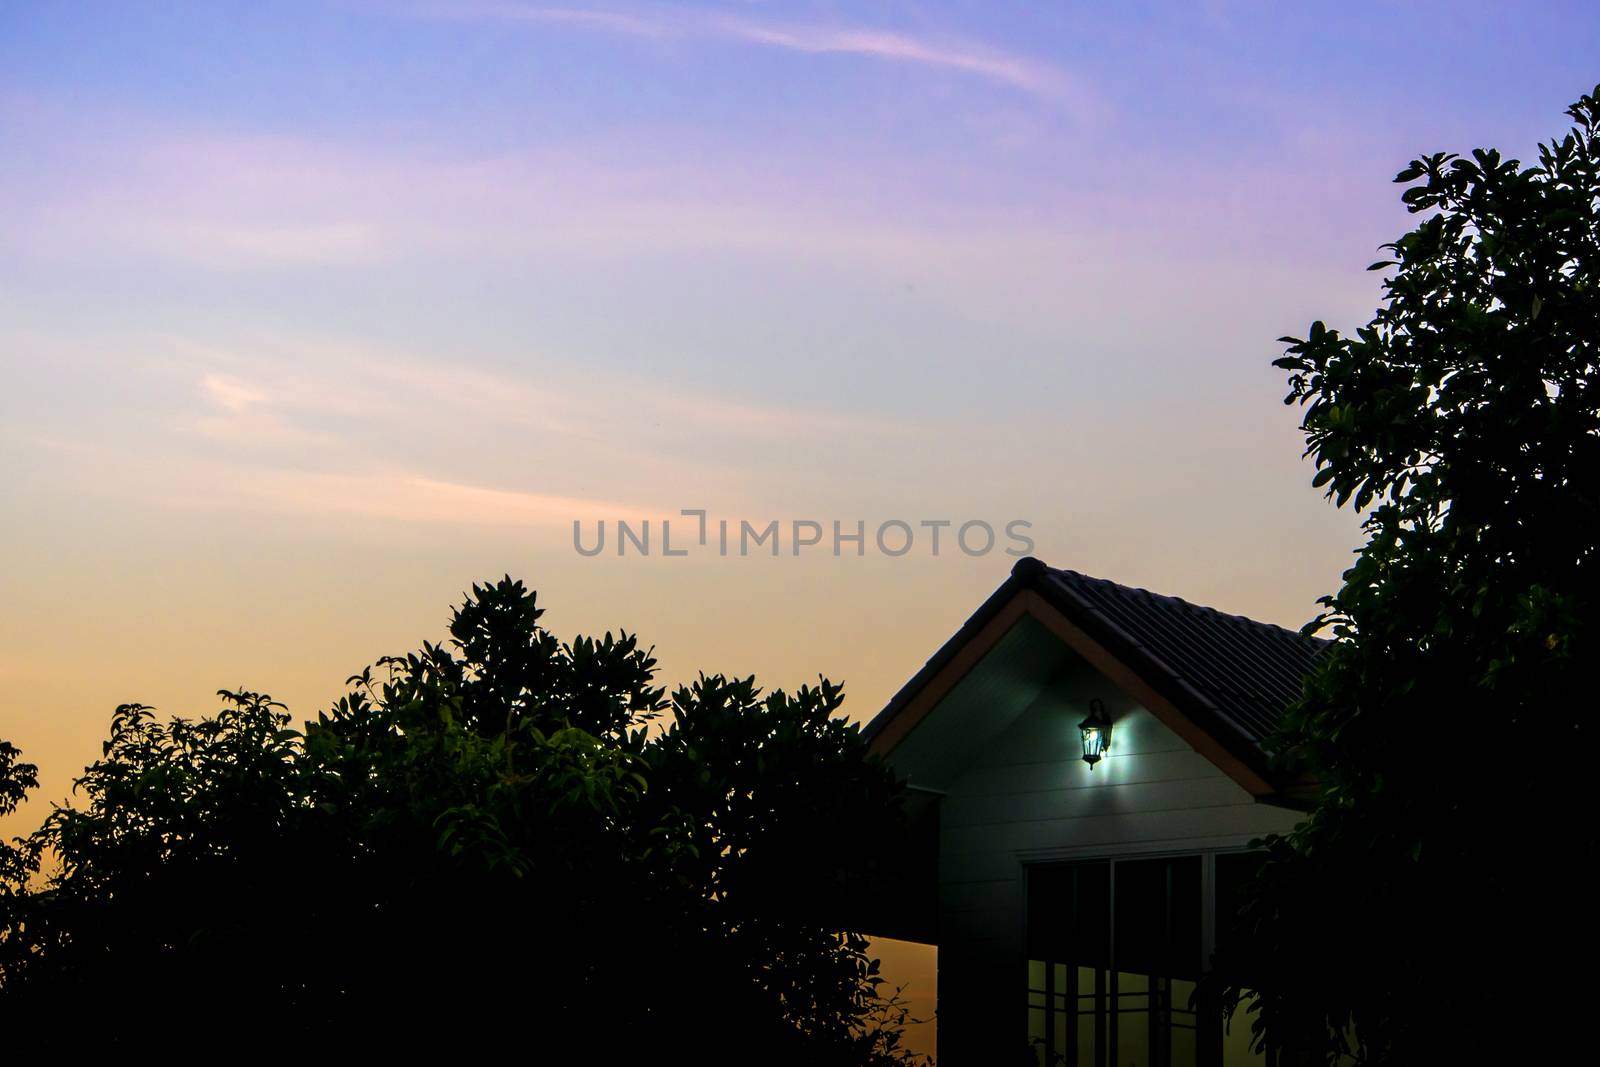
(312, 314)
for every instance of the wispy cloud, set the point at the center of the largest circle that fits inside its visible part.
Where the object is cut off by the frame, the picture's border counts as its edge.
(226, 200)
(305, 382)
(328, 429)
(947, 53)
(237, 411)
(392, 495)
(1007, 69)
(608, 21)
(232, 396)
(284, 243)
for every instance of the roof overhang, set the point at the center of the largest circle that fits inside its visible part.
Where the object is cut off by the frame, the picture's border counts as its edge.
(1029, 594)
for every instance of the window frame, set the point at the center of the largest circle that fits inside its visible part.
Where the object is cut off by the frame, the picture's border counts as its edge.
(1208, 1022)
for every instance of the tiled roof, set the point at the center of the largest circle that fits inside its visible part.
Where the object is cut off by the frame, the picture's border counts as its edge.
(1231, 675)
(1243, 671)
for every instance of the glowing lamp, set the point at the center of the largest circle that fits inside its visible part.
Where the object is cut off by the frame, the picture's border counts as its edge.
(1096, 731)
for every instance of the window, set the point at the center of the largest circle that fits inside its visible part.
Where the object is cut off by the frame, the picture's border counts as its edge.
(1115, 949)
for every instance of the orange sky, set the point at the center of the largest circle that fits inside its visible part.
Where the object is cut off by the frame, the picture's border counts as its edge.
(310, 319)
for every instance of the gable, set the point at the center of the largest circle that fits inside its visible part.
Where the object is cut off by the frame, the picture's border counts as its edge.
(1216, 681)
(982, 705)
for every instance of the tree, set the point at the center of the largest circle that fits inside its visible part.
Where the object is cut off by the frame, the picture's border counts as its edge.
(489, 842)
(1450, 723)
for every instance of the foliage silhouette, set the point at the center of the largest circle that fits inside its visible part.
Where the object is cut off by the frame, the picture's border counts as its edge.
(487, 843)
(1450, 725)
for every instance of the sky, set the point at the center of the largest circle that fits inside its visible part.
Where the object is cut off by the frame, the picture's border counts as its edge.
(313, 314)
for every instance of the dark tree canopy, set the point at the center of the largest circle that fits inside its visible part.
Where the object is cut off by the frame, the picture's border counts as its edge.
(490, 843)
(1434, 897)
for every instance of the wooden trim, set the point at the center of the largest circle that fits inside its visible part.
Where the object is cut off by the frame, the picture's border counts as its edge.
(946, 679)
(1163, 709)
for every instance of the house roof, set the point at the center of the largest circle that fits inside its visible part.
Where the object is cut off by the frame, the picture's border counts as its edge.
(1231, 677)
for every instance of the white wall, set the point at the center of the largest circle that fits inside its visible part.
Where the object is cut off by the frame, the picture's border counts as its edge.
(1027, 796)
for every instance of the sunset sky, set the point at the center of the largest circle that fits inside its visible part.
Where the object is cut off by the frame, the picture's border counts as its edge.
(313, 314)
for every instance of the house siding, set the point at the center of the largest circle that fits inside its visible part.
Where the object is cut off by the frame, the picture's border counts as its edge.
(1026, 797)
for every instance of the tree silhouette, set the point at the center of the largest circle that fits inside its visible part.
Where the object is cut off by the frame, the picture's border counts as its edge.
(488, 843)
(1450, 727)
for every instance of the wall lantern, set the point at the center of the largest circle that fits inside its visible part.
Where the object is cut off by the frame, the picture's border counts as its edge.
(1096, 730)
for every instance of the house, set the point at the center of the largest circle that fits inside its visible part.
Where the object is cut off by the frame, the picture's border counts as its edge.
(1075, 904)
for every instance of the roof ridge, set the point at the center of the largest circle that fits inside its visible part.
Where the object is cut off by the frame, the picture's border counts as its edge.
(1045, 568)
